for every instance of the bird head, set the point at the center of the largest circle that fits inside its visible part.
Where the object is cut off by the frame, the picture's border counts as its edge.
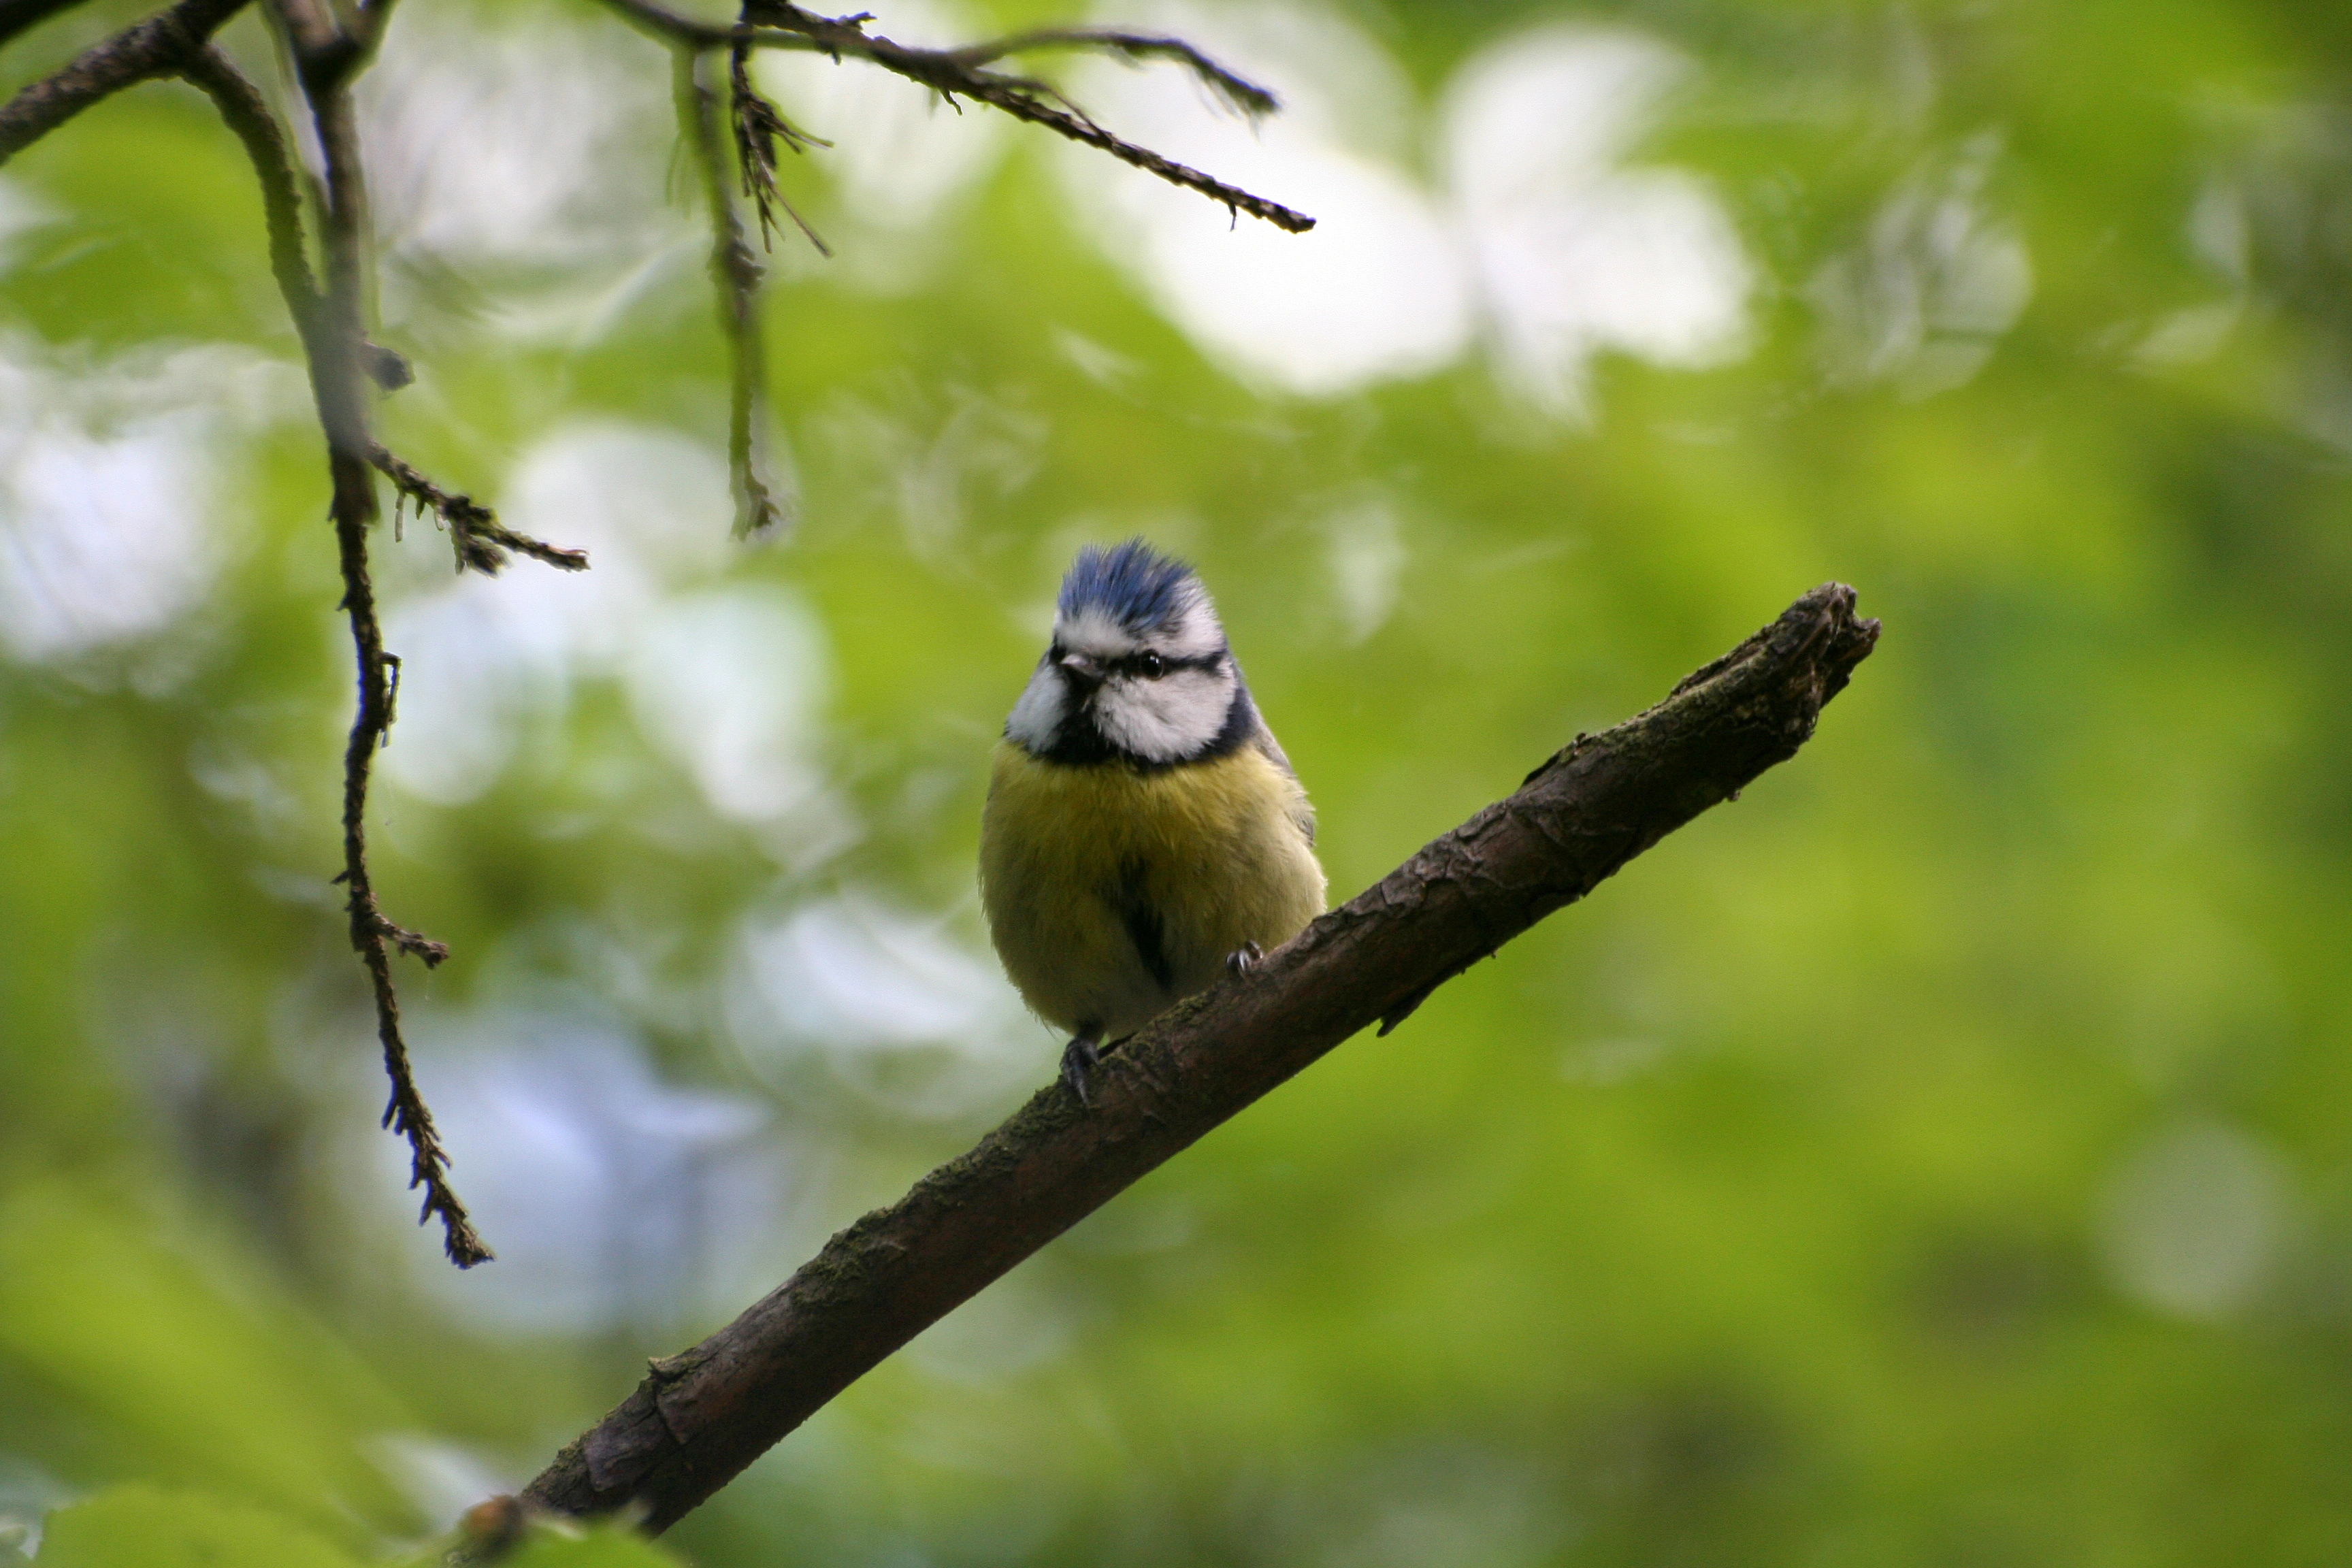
(1138, 667)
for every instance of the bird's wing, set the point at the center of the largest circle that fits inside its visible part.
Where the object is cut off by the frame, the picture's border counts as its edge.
(1302, 811)
(1144, 926)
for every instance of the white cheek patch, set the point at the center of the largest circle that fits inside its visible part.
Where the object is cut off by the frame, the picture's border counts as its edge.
(1165, 720)
(1038, 718)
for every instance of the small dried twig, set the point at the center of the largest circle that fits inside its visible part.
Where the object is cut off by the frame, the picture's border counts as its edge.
(329, 325)
(158, 47)
(327, 53)
(481, 540)
(736, 273)
(759, 126)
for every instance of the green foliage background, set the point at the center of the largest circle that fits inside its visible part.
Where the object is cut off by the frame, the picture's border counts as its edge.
(1939, 1156)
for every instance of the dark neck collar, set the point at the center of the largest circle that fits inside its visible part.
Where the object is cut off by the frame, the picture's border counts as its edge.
(1078, 745)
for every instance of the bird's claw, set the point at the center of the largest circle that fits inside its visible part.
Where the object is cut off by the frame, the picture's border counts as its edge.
(1244, 958)
(1080, 1056)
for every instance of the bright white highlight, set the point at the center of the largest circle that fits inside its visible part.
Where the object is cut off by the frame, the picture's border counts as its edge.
(108, 475)
(1375, 293)
(2192, 1223)
(615, 1198)
(1575, 254)
(900, 158)
(728, 681)
(1938, 279)
(890, 1003)
(1367, 559)
(1541, 233)
(534, 139)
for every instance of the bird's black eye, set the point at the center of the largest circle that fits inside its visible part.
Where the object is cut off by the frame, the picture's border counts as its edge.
(1154, 666)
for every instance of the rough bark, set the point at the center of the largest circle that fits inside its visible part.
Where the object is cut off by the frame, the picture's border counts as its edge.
(699, 1417)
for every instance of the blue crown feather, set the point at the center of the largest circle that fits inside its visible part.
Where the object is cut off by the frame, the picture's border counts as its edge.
(1142, 590)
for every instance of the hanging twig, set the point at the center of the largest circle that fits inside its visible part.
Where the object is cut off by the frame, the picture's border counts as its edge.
(735, 272)
(326, 55)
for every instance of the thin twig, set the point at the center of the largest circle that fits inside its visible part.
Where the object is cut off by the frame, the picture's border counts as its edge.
(759, 126)
(481, 540)
(960, 73)
(157, 46)
(736, 273)
(702, 1416)
(327, 57)
(1238, 91)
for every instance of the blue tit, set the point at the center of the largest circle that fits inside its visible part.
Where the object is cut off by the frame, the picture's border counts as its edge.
(1143, 832)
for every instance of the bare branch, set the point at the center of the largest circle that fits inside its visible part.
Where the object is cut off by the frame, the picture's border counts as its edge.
(1238, 91)
(157, 46)
(481, 540)
(702, 1416)
(336, 343)
(960, 73)
(736, 272)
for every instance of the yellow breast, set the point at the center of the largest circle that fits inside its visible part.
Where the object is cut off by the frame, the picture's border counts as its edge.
(1112, 891)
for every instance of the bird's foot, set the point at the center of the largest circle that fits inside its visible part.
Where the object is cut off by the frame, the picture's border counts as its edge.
(1080, 1056)
(1244, 958)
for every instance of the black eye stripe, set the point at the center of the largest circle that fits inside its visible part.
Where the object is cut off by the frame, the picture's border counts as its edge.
(1141, 664)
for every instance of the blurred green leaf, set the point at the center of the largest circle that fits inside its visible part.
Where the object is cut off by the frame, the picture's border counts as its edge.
(607, 1546)
(1941, 1155)
(210, 1380)
(146, 1527)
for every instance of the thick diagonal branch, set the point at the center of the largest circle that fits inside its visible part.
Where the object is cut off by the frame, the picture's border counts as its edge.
(158, 47)
(702, 1416)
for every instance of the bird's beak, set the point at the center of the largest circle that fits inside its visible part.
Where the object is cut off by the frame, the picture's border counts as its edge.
(1083, 671)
